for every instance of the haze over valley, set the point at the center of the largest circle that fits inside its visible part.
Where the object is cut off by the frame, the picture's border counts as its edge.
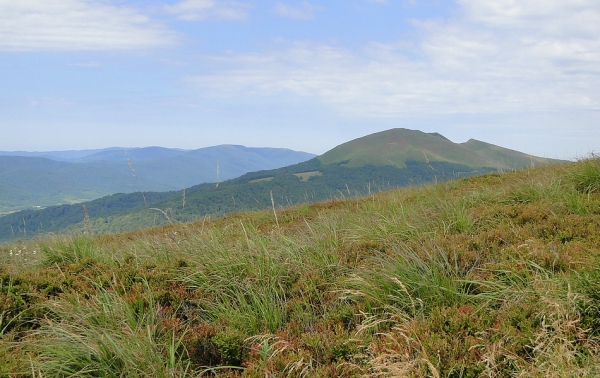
(61, 177)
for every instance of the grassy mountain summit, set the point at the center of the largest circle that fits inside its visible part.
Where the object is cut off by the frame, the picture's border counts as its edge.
(397, 146)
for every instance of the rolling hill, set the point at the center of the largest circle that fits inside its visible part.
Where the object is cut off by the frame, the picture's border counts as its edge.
(377, 162)
(72, 177)
(397, 146)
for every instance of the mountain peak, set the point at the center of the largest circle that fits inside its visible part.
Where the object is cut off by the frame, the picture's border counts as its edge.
(397, 146)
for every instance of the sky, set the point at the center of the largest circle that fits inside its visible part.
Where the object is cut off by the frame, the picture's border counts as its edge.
(305, 75)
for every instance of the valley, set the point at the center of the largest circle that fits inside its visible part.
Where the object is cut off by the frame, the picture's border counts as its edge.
(52, 178)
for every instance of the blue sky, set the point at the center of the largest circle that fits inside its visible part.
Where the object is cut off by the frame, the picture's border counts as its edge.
(306, 75)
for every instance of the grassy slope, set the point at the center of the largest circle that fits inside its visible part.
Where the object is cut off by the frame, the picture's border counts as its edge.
(494, 275)
(393, 147)
(505, 156)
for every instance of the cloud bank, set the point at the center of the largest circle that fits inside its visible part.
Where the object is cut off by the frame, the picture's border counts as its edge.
(493, 56)
(71, 25)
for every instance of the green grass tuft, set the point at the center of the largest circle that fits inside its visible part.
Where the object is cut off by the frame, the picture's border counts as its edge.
(106, 335)
(586, 175)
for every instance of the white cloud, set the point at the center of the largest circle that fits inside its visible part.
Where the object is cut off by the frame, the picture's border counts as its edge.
(547, 15)
(194, 10)
(302, 11)
(27, 25)
(92, 64)
(497, 57)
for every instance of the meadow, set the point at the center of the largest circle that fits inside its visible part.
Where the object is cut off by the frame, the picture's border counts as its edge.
(495, 275)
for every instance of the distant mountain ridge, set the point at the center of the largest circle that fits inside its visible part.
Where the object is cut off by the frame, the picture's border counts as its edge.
(380, 161)
(77, 176)
(66, 155)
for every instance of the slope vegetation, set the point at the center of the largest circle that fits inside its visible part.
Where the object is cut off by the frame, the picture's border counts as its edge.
(495, 275)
